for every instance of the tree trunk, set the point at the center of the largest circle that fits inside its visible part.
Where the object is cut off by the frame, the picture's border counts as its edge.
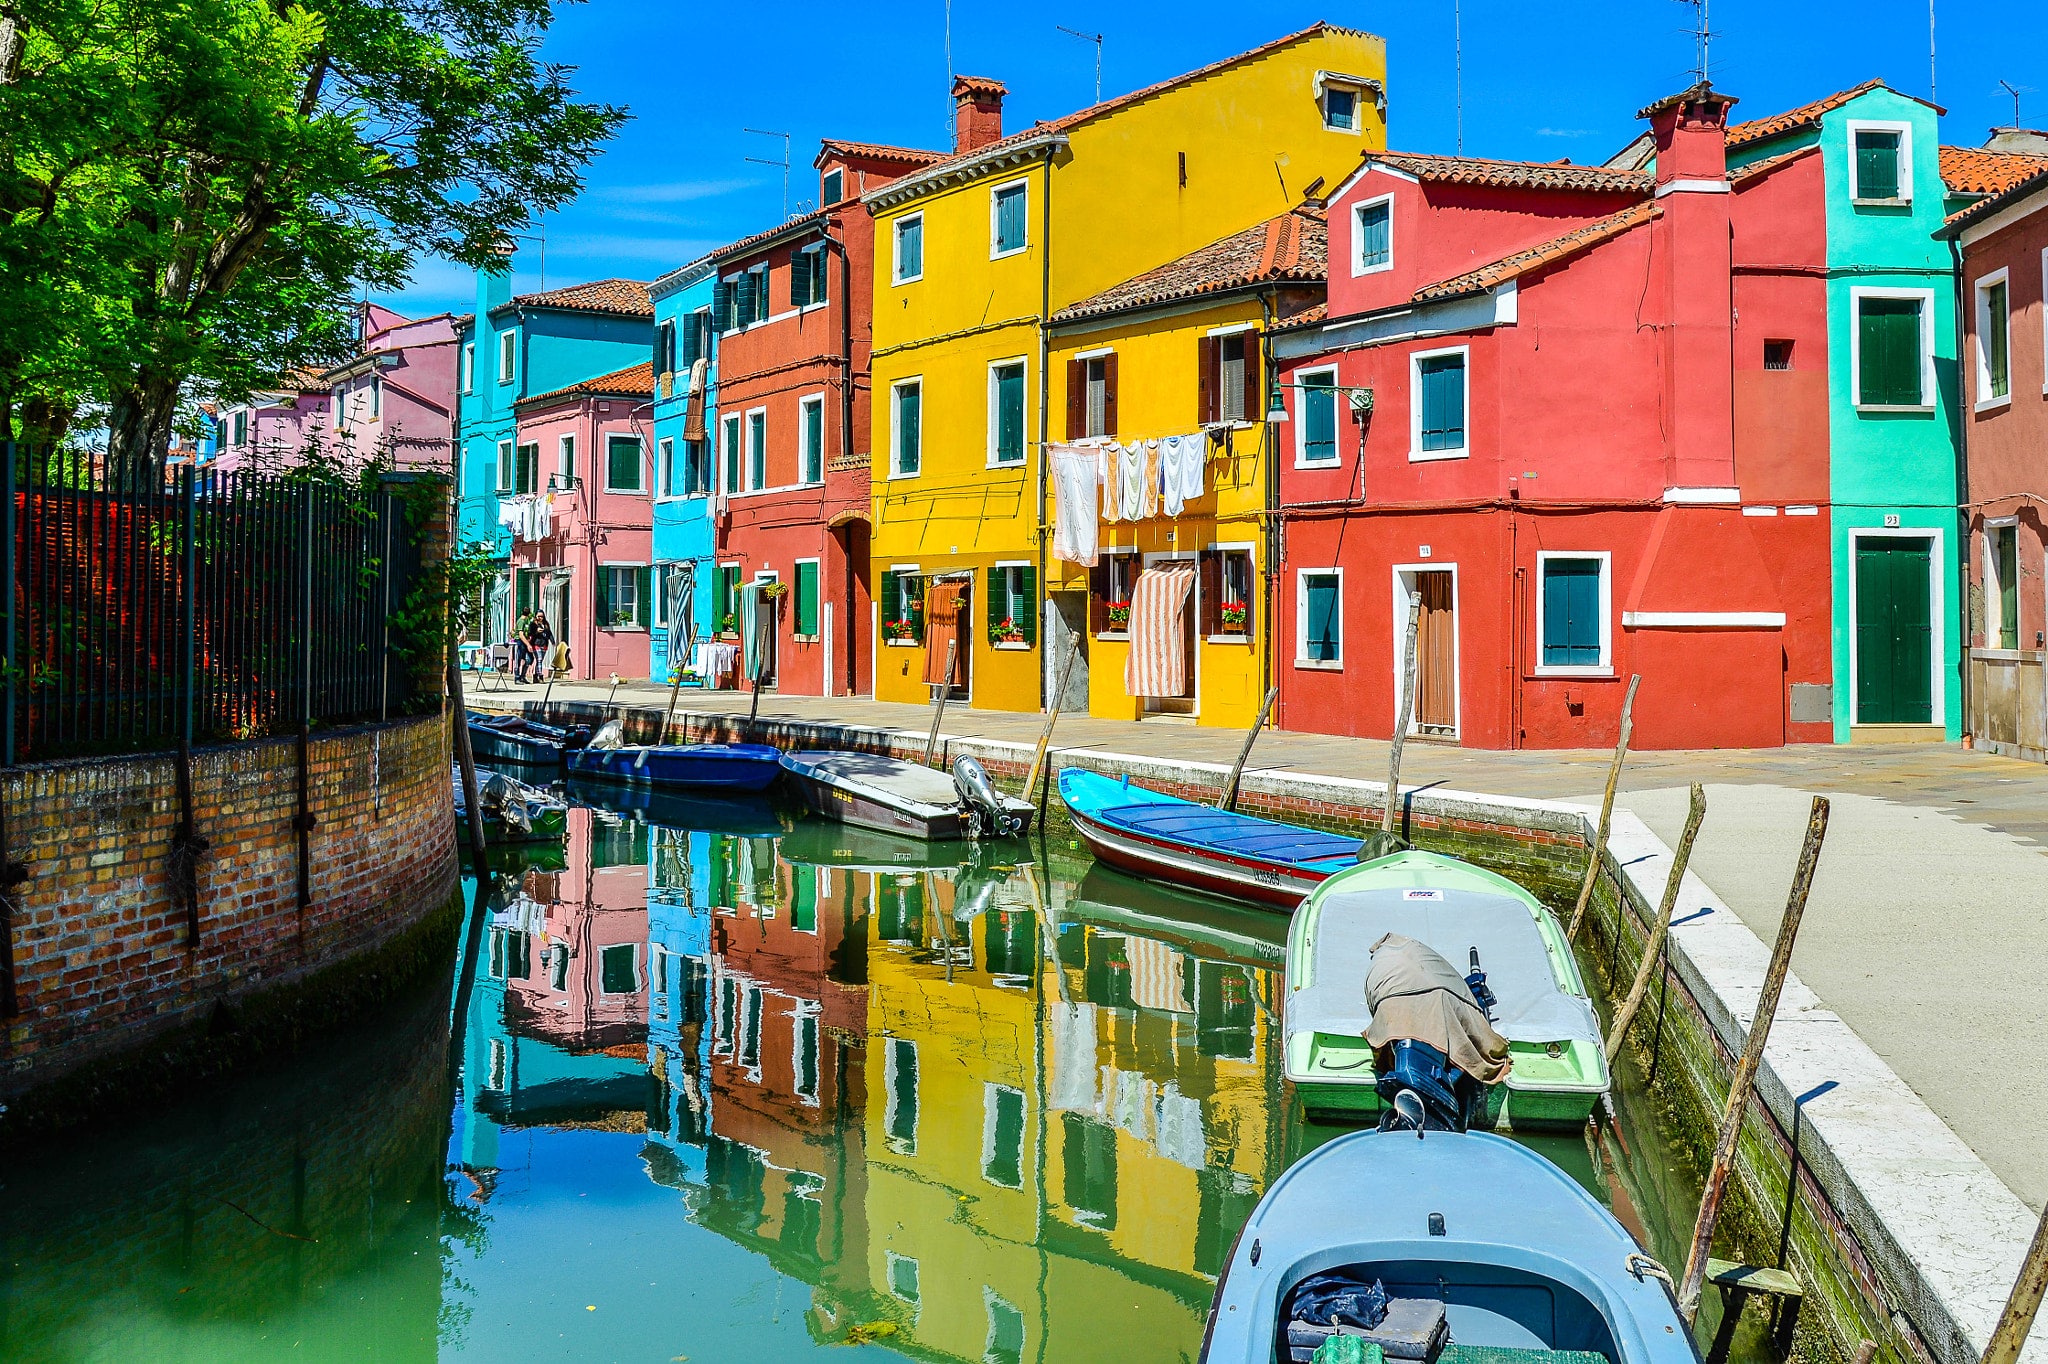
(139, 423)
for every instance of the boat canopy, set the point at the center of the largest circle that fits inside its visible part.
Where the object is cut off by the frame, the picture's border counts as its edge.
(893, 776)
(1530, 1007)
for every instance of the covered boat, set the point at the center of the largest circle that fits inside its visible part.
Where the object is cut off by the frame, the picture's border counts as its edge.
(513, 812)
(1557, 1066)
(1457, 1248)
(879, 792)
(1150, 833)
(516, 739)
(676, 767)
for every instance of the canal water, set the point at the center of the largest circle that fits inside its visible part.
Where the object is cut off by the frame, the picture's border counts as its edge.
(726, 1086)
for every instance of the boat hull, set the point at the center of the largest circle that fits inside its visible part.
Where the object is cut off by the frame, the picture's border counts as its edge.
(681, 767)
(1234, 878)
(863, 811)
(501, 739)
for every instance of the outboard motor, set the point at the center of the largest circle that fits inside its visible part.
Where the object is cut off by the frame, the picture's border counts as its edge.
(988, 814)
(611, 734)
(1475, 981)
(1450, 1098)
(1435, 1051)
(502, 797)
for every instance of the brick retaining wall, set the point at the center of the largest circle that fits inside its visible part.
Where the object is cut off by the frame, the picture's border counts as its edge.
(102, 963)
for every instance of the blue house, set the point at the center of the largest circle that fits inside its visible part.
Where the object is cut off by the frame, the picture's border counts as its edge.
(684, 540)
(519, 346)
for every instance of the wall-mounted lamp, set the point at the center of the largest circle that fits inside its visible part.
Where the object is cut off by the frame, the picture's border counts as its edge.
(1276, 409)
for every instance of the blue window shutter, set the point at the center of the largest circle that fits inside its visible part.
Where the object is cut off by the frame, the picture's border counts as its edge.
(1442, 395)
(1319, 631)
(1373, 246)
(1571, 612)
(1319, 418)
(907, 450)
(1010, 413)
(722, 305)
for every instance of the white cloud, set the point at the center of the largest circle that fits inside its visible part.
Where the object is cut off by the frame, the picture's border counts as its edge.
(1564, 132)
(673, 192)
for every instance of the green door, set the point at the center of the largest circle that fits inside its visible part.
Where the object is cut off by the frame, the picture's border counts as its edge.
(1894, 631)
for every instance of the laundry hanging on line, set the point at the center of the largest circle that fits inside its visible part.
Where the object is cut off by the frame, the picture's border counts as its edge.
(1075, 474)
(1157, 664)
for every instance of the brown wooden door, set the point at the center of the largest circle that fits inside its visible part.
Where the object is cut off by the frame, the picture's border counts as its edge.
(1436, 655)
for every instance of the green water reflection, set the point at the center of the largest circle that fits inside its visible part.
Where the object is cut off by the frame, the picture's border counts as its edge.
(730, 1090)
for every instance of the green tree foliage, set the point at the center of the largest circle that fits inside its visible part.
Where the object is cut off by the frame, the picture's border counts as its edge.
(192, 191)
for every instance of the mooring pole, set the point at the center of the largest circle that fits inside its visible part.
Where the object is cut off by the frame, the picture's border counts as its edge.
(675, 687)
(1744, 1079)
(1403, 711)
(2018, 1317)
(465, 761)
(1593, 854)
(1229, 797)
(1653, 949)
(1052, 715)
(931, 740)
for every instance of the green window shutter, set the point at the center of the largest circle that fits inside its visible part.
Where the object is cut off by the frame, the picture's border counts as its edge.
(743, 298)
(1442, 381)
(620, 977)
(643, 597)
(1374, 245)
(1888, 360)
(604, 596)
(1994, 340)
(1004, 1162)
(1024, 605)
(814, 442)
(1320, 641)
(892, 598)
(1010, 414)
(998, 595)
(757, 452)
(1319, 418)
(803, 899)
(1571, 612)
(622, 463)
(722, 305)
(909, 400)
(527, 594)
(819, 294)
(910, 249)
(1877, 164)
(807, 599)
(799, 279)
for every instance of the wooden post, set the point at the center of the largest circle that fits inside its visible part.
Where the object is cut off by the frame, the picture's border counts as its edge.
(1653, 950)
(1052, 713)
(1744, 1079)
(465, 759)
(1403, 713)
(1865, 1352)
(931, 740)
(1229, 798)
(675, 689)
(1628, 706)
(2013, 1323)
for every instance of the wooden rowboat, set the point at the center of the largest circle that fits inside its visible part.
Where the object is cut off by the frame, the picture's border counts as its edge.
(748, 768)
(1240, 857)
(515, 739)
(894, 796)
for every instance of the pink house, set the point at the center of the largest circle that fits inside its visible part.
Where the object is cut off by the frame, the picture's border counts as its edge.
(579, 502)
(269, 428)
(587, 990)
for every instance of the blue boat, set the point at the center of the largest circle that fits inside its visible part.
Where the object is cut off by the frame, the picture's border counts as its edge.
(1482, 1253)
(737, 813)
(675, 767)
(1149, 833)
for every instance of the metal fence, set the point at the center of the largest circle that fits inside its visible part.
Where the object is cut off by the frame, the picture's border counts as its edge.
(166, 606)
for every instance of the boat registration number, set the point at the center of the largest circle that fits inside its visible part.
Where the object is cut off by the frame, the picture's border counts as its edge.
(1422, 895)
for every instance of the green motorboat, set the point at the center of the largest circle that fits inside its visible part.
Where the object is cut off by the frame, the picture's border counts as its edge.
(1558, 1068)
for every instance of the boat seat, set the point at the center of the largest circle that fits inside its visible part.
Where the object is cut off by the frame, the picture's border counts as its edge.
(1228, 831)
(1502, 1354)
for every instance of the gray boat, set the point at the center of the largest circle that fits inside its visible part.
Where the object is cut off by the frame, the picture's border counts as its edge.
(879, 792)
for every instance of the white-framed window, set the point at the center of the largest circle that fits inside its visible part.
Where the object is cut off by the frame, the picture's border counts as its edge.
(810, 439)
(1013, 598)
(807, 278)
(834, 188)
(1002, 1136)
(1439, 403)
(1880, 162)
(2001, 583)
(619, 968)
(623, 465)
(1008, 210)
(908, 251)
(731, 452)
(625, 596)
(1319, 618)
(1340, 108)
(899, 1089)
(757, 449)
(906, 427)
(469, 367)
(565, 458)
(1006, 404)
(1372, 235)
(1891, 348)
(1574, 613)
(1111, 582)
(1315, 418)
(804, 593)
(376, 397)
(665, 467)
(1097, 375)
(508, 356)
(1994, 340)
(240, 428)
(507, 468)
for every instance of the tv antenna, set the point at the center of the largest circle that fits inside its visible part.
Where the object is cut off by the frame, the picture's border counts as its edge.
(1702, 37)
(784, 162)
(1095, 38)
(2014, 91)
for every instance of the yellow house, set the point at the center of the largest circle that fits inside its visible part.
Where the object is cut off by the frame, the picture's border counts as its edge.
(974, 255)
(1180, 351)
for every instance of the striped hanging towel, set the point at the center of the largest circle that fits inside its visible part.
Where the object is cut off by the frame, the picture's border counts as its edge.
(1157, 664)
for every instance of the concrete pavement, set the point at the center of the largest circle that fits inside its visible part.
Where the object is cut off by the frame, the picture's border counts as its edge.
(1927, 931)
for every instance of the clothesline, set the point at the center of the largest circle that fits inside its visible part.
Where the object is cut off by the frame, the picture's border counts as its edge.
(1156, 476)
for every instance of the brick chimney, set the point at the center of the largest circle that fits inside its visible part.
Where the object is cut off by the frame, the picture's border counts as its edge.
(1696, 268)
(977, 112)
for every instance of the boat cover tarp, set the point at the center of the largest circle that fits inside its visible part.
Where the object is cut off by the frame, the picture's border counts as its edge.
(906, 781)
(1227, 831)
(1415, 994)
(1531, 1007)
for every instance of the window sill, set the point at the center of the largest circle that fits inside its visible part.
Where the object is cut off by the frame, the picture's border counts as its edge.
(1570, 670)
(1430, 456)
(1331, 464)
(623, 629)
(1880, 203)
(1114, 636)
(626, 492)
(813, 307)
(902, 643)
(1005, 464)
(1925, 409)
(896, 474)
(1013, 251)
(1360, 271)
(1015, 647)
(1993, 404)
(1227, 639)
(804, 639)
(908, 279)
(2006, 655)
(1335, 665)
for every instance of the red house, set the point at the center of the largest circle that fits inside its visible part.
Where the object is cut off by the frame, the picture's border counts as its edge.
(793, 309)
(1581, 412)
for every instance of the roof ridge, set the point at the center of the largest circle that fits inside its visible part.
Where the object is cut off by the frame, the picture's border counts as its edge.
(1549, 252)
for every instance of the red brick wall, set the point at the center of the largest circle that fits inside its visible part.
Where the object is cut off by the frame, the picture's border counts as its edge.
(100, 954)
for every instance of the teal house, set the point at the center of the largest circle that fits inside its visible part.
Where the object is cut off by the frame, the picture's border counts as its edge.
(517, 346)
(1895, 599)
(685, 406)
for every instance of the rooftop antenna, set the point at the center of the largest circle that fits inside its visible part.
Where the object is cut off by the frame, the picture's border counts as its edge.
(948, 124)
(784, 162)
(1458, 47)
(1930, 53)
(2014, 91)
(1095, 38)
(1702, 36)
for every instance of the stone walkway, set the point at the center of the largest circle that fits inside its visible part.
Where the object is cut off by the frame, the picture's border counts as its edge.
(1928, 926)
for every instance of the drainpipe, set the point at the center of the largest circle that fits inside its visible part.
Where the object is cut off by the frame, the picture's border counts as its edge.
(838, 248)
(1045, 696)
(1961, 434)
(1269, 524)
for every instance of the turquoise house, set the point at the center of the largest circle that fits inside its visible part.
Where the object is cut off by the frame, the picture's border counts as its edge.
(517, 346)
(684, 537)
(1896, 600)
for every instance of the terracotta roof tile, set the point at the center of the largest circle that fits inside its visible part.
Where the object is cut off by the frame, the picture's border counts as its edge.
(1109, 106)
(635, 381)
(744, 244)
(1692, 94)
(1805, 116)
(1978, 170)
(877, 151)
(978, 85)
(1293, 246)
(1473, 170)
(621, 297)
(1755, 169)
(1546, 253)
(1993, 204)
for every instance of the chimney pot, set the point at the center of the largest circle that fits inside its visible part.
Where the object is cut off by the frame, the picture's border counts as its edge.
(977, 112)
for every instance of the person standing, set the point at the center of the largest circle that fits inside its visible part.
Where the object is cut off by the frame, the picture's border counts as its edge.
(522, 654)
(540, 641)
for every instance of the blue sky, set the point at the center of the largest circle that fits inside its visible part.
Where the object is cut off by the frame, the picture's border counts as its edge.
(1542, 80)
